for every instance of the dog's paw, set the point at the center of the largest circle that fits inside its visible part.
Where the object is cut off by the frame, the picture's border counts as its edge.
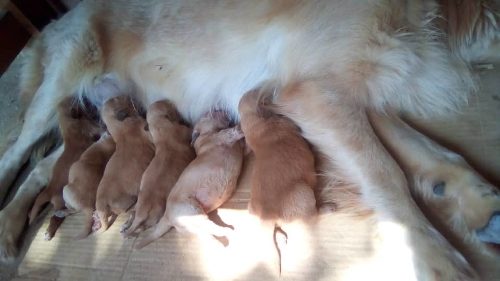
(11, 226)
(8, 249)
(436, 259)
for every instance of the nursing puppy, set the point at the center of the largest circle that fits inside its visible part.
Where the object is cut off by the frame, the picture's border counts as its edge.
(118, 189)
(206, 183)
(78, 132)
(284, 175)
(84, 177)
(172, 154)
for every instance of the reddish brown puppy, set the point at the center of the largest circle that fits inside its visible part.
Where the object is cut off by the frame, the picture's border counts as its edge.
(117, 192)
(78, 132)
(173, 153)
(284, 174)
(207, 182)
(84, 177)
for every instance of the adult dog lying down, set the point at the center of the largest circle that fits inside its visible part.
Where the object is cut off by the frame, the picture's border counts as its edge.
(343, 58)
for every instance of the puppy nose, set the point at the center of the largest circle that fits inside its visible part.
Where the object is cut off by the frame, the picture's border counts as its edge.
(491, 232)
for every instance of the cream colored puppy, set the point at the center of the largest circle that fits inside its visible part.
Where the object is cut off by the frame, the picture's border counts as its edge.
(206, 183)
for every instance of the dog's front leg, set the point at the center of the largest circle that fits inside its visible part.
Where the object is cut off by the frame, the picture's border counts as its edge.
(450, 190)
(13, 216)
(38, 120)
(341, 130)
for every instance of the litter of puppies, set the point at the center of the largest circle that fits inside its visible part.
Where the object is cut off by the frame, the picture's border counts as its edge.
(158, 170)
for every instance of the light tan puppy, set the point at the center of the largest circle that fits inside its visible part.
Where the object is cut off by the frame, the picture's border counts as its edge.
(118, 189)
(84, 177)
(172, 154)
(78, 132)
(284, 174)
(207, 182)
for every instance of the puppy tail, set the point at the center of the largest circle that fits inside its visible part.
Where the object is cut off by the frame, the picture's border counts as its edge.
(160, 229)
(40, 201)
(280, 239)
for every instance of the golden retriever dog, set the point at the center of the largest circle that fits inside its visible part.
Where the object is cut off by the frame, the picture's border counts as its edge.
(284, 175)
(207, 182)
(119, 186)
(337, 59)
(173, 153)
(84, 176)
(78, 133)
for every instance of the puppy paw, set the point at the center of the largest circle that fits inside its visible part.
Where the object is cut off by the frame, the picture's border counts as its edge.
(47, 236)
(96, 224)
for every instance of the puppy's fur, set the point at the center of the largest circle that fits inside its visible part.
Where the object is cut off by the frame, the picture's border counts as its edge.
(119, 186)
(84, 177)
(172, 154)
(78, 133)
(284, 174)
(206, 183)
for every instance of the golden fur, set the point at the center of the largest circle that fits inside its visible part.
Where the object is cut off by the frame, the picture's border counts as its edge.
(84, 176)
(206, 183)
(172, 154)
(78, 133)
(119, 186)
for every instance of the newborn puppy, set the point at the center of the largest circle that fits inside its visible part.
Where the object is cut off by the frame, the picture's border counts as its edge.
(78, 132)
(206, 183)
(172, 154)
(84, 177)
(119, 186)
(284, 174)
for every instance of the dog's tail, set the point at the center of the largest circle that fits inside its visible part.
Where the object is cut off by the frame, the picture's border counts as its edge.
(160, 229)
(42, 199)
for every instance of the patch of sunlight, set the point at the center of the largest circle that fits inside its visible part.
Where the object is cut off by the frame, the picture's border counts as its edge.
(251, 245)
(392, 258)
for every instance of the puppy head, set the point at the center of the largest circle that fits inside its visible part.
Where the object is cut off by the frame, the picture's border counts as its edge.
(211, 122)
(118, 109)
(161, 110)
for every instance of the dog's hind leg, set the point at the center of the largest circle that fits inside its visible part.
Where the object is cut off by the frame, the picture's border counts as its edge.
(341, 130)
(13, 216)
(453, 194)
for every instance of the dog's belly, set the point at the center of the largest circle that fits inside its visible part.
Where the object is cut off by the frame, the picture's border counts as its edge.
(211, 62)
